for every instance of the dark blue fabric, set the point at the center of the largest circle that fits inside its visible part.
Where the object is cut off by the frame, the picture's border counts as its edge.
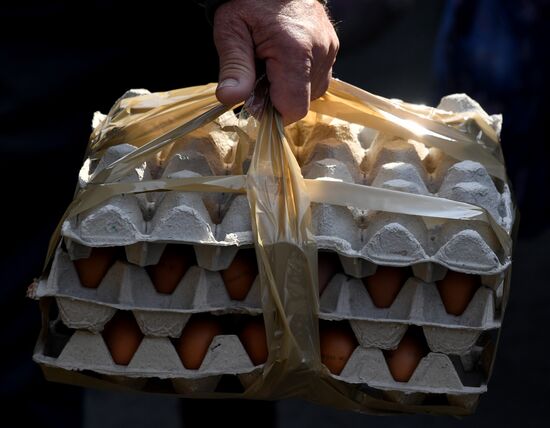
(497, 52)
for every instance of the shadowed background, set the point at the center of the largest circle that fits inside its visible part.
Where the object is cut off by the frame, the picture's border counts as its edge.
(61, 61)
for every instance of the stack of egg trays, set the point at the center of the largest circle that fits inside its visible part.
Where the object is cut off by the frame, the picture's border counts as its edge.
(461, 347)
(143, 224)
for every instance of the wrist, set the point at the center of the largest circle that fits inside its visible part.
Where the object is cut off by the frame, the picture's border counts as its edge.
(210, 7)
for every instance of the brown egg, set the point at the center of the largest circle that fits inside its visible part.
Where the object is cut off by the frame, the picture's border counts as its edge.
(92, 269)
(172, 266)
(337, 344)
(195, 339)
(385, 284)
(328, 265)
(456, 291)
(122, 336)
(402, 361)
(240, 274)
(254, 340)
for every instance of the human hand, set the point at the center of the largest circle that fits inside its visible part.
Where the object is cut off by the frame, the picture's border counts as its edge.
(296, 40)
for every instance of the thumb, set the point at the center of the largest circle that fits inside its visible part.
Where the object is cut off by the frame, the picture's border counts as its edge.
(236, 52)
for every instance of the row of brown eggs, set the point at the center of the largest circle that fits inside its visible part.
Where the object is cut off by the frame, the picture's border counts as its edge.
(123, 336)
(338, 343)
(456, 288)
(177, 259)
(170, 269)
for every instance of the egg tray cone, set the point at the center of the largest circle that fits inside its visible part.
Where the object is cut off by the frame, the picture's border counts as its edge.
(217, 225)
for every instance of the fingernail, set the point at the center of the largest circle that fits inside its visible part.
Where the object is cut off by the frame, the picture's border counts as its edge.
(228, 83)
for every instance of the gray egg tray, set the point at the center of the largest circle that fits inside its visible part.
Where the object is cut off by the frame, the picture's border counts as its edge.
(417, 303)
(165, 216)
(435, 373)
(155, 357)
(209, 257)
(335, 150)
(127, 286)
(402, 240)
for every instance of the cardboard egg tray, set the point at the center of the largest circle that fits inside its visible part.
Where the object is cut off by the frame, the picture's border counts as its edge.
(403, 240)
(156, 357)
(160, 317)
(377, 237)
(217, 225)
(333, 150)
(129, 287)
(418, 303)
(456, 343)
(193, 217)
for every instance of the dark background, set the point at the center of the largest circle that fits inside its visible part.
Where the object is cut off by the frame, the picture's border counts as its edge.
(61, 61)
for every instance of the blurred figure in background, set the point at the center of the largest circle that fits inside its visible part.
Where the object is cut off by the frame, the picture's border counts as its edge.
(496, 51)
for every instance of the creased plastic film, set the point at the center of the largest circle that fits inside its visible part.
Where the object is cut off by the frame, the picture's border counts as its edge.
(287, 258)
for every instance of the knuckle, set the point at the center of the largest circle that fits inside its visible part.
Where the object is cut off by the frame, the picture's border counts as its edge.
(323, 87)
(320, 89)
(297, 47)
(292, 103)
(296, 111)
(335, 46)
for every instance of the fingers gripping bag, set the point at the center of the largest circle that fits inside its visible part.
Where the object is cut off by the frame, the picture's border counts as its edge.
(359, 258)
